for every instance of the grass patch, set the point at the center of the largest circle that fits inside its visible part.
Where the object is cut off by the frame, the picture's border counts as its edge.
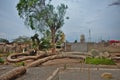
(96, 61)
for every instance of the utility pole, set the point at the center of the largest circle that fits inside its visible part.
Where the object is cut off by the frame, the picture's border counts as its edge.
(89, 35)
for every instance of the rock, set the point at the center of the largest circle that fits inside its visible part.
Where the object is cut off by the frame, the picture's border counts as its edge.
(106, 75)
(89, 54)
(106, 54)
(94, 52)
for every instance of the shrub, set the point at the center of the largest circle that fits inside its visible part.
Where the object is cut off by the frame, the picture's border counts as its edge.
(1, 60)
(20, 64)
(45, 44)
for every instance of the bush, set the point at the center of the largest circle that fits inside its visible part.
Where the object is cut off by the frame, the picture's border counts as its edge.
(103, 61)
(20, 64)
(1, 60)
(45, 44)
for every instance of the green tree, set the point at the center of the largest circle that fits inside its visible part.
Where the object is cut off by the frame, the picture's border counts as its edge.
(54, 17)
(59, 36)
(47, 34)
(22, 39)
(35, 41)
(4, 40)
(45, 44)
(117, 3)
(41, 16)
(75, 41)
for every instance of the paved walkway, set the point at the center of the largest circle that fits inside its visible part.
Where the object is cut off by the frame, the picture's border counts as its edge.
(75, 74)
(5, 68)
(37, 73)
(43, 72)
(72, 73)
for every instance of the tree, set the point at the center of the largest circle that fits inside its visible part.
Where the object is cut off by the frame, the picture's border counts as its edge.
(60, 37)
(35, 41)
(4, 40)
(30, 11)
(41, 16)
(55, 20)
(115, 3)
(75, 41)
(45, 44)
(22, 39)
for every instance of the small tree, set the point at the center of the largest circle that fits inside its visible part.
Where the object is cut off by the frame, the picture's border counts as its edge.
(75, 41)
(35, 41)
(22, 39)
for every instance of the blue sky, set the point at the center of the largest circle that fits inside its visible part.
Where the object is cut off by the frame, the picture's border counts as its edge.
(102, 20)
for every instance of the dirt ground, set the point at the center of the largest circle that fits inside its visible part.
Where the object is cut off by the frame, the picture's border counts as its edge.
(51, 66)
(42, 72)
(61, 61)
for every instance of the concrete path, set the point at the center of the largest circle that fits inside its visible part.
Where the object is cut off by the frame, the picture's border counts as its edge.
(37, 73)
(77, 74)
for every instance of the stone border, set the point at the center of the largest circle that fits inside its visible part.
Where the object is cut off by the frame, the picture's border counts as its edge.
(92, 69)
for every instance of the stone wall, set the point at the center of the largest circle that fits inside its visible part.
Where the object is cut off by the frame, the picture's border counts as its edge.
(14, 47)
(77, 47)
